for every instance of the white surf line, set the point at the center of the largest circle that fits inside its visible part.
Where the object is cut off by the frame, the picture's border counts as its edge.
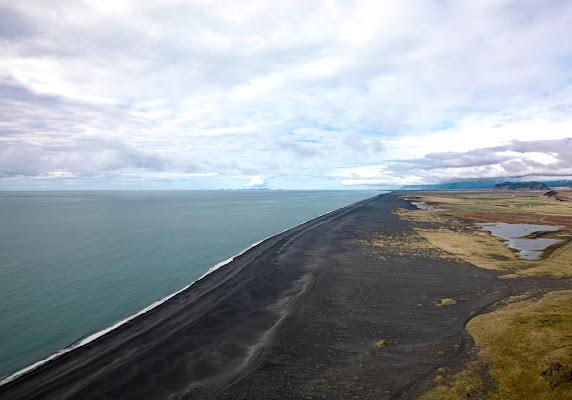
(157, 303)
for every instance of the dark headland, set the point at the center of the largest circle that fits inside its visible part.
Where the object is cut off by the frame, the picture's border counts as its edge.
(521, 186)
(298, 316)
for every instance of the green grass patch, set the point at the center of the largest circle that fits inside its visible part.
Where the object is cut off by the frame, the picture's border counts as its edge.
(504, 208)
(522, 340)
(471, 207)
(525, 353)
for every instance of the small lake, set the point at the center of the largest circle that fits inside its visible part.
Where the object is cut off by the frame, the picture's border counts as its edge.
(512, 234)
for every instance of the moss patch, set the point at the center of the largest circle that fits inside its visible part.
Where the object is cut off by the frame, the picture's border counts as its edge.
(447, 302)
(473, 382)
(522, 340)
(528, 347)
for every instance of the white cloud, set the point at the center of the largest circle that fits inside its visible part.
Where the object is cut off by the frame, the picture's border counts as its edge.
(289, 89)
(257, 181)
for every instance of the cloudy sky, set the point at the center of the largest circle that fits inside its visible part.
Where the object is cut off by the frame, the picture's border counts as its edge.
(141, 94)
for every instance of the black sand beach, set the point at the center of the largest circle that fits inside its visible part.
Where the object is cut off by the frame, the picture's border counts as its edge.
(298, 316)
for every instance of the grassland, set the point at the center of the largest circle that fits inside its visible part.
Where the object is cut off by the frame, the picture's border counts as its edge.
(534, 203)
(454, 229)
(524, 346)
(518, 344)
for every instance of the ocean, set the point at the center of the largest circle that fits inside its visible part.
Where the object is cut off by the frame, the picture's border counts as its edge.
(74, 263)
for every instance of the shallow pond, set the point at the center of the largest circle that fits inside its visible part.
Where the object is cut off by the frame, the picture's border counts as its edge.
(512, 234)
(422, 205)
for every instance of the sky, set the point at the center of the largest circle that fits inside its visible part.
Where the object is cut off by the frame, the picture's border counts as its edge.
(140, 94)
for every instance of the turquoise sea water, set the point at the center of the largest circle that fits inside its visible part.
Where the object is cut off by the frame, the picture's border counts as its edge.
(74, 263)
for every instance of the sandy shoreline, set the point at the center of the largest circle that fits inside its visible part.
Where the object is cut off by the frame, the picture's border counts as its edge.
(296, 316)
(106, 330)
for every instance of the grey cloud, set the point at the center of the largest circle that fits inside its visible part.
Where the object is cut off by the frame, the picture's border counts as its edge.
(84, 158)
(300, 149)
(233, 168)
(24, 111)
(364, 145)
(14, 25)
(495, 161)
(562, 147)
(11, 89)
(202, 47)
(112, 155)
(43, 134)
(472, 158)
(18, 159)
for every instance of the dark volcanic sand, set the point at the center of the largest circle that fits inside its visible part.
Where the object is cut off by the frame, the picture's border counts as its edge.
(296, 317)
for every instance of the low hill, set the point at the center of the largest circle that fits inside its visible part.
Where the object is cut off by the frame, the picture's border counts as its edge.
(558, 195)
(521, 186)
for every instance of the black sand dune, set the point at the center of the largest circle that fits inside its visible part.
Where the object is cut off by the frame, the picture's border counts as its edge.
(296, 317)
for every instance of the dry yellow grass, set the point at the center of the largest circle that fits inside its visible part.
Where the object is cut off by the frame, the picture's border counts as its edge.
(463, 239)
(405, 244)
(474, 382)
(521, 340)
(532, 202)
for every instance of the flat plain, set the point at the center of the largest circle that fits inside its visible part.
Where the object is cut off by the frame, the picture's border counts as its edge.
(524, 343)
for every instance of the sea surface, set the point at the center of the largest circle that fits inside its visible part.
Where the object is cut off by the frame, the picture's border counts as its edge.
(74, 263)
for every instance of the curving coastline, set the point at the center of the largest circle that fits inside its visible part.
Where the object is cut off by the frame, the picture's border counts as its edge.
(90, 338)
(50, 362)
(297, 315)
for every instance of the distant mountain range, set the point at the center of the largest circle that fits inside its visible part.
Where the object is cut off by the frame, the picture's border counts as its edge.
(521, 186)
(479, 184)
